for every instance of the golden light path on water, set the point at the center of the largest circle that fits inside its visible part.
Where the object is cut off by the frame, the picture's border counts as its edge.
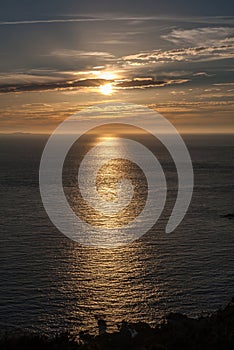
(109, 280)
(119, 185)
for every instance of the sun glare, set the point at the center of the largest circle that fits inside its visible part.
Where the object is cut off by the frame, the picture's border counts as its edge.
(106, 89)
(107, 75)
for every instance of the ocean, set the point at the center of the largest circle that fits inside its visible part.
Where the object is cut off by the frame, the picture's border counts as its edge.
(49, 283)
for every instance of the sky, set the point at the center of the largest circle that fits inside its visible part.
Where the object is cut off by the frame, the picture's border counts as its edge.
(58, 57)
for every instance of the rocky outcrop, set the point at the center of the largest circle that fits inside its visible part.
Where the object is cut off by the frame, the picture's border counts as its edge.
(214, 332)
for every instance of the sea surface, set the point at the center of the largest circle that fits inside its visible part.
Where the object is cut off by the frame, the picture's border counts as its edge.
(49, 283)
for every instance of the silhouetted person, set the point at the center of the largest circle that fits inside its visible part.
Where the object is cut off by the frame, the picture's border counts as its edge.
(101, 326)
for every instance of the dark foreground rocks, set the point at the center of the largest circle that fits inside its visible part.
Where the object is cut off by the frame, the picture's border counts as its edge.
(214, 332)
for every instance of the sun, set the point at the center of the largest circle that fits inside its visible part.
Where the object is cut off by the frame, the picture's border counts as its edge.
(106, 89)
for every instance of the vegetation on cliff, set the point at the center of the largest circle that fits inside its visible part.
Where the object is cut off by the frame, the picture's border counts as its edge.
(178, 331)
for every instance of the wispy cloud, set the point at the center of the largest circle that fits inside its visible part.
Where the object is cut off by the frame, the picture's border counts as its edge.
(44, 21)
(207, 36)
(87, 18)
(191, 54)
(79, 54)
(32, 76)
(201, 74)
(224, 84)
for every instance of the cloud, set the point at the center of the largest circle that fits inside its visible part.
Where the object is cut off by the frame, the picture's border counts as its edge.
(191, 54)
(59, 85)
(207, 36)
(136, 83)
(123, 18)
(32, 76)
(201, 74)
(80, 54)
(224, 84)
(44, 21)
(143, 83)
